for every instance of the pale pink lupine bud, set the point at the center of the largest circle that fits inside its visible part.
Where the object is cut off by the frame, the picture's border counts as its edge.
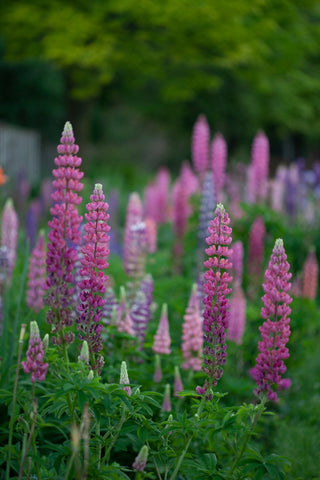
(192, 334)
(236, 259)
(162, 340)
(237, 315)
(37, 275)
(157, 377)
(178, 386)
(141, 460)
(260, 166)
(310, 276)
(124, 378)
(133, 216)
(9, 234)
(34, 363)
(166, 405)
(256, 248)
(200, 144)
(219, 164)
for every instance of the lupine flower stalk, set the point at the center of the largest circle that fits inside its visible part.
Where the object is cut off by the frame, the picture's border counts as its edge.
(310, 276)
(256, 249)
(208, 202)
(111, 303)
(259, 167)
(140, 316)
(237, 315)
(137, 249)
(9, 234)
(133, 216)
(36, 275)
(192, 334)
(178, 386)
(216, 314)
(141, 460)
(123, 319)
(124, 378)
(63, 235)
(275, 331)
(156, 197)
(200, 145)
(34, 363)
(219, 163)
(94, 279)
(162, 340)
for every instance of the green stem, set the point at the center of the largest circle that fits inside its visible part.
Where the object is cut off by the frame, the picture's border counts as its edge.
(184, 451)
(99, 444)
(72, 458)
(34, 445)
(106, 457)
(33, 424)
(247, 438)
(14, 401)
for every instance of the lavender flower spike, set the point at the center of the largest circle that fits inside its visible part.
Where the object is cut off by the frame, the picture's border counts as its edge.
(216, 314)
(162, 338)
(275, 331)
(36, 275)
(9, 234)
(35, 354)
(141, 460)
(124, 378)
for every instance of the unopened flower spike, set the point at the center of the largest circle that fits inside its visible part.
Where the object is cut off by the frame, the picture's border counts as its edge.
(45, 342)
(84, 354)
(166, 405)
(162, 338)
(141, 460)
(35, 354)
(124, 378)
(178, 386)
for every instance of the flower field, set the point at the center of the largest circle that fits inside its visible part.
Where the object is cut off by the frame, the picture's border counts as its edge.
(170, 332)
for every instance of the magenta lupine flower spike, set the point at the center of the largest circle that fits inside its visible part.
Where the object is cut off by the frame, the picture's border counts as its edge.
(36, 275)
(259, 167)
(275, 331)
(216, 314)
(9, 234)
(93, 281)
(133, 216)
(124, 378)
(136, 252)
(310, 276)
(192, 334)
(35, 354)
(237, 315)
(141, 460)
(162, 340)
(166, 405)
(200, 145)
(178, 386)
(64, 233)
(219, 163)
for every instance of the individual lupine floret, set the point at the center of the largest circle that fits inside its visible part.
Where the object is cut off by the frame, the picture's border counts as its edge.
(35, 354)
(162, 340)
(200, 145)
(216, 314)
(93, 281)
(275, 331)
(192, 334)
(237, 315)
(219, 163)
(64, 234)
(178, 386)
(124, 378)
(141, 460)
(36, 275)
(133, 216)
(310, 276)
(9, 234)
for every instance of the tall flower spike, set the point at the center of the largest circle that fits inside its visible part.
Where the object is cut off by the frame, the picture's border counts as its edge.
(133, 216)
(111, 303)
(256, 250)
(192, 334)
(178, 386)
(259, 167)
(208, 202)
(200, 145)
(219, 163)
(93, 281)
(124, 378)
(310, 276)
(36, 275)
(141, 308)
(63, 235)
(216, 314)
(9, 234)
(35, 354)
(141, 460)
(162, 340)
(275, 331)
(123, 319)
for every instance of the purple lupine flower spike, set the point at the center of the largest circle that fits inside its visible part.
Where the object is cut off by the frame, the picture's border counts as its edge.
(162, 340)
(9, 234)
(259, 168)
(192, 334)
(94, 279)
(141, 309)
(310, 276)
(141, 460)
(216, 314)
(133, 216)
(35, 354)
(64, 230)
(275, 331)
(219, 163)
(36, 275)
(208, 202)
(124, 378)
(200, 145)
(111, 303)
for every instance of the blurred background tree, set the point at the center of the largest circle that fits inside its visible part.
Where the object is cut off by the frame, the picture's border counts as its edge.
(155, 65)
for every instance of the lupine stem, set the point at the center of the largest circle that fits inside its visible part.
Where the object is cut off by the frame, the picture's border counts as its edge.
(33, 424)
(113, 441)
(14, 400)
(180, 459)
